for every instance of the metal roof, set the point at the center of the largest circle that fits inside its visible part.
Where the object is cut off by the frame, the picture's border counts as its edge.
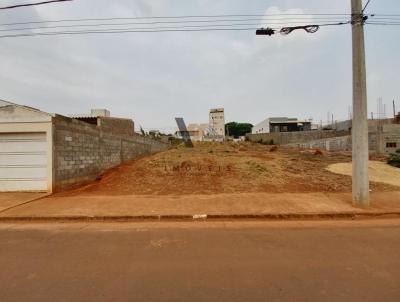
(289, 122)
(4, 103)
(82, 116)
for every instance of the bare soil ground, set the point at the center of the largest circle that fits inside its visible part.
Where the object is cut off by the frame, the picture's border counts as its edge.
(213, 168)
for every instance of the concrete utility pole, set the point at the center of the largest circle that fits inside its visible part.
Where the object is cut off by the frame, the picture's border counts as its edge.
(360, 114)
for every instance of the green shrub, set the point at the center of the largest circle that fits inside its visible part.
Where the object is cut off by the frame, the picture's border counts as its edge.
(394, 159)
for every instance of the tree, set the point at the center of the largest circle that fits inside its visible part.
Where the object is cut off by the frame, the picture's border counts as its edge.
(237, 129)
(394, 159)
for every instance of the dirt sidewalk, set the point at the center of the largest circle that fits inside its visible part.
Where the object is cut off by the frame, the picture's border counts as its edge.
(10, 200)
(220, 205)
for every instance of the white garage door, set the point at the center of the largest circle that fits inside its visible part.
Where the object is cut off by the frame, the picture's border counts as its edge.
(23, 162)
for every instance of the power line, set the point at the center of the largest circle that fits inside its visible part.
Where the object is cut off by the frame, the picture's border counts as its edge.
(148, 28)
(192, 21)
(366, 5)
(310, 28)
(383, 23)
(388, 15)
(32, 4)
(390, 18)
(188, 25)
(260, 21)
(124, 31)
(180, 28)
(155, 28)
(169, 17)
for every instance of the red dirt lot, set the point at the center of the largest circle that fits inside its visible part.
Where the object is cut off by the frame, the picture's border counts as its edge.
(214, 168)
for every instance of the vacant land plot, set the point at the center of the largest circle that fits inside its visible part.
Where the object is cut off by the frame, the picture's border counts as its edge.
(212, 168)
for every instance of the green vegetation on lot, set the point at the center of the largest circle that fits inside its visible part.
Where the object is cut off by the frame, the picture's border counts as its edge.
(238, 129)
(394, 159)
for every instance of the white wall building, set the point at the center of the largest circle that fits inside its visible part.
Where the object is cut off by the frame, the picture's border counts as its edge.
(217, 122)
(281, 124)
(262, 127)
(26, 148)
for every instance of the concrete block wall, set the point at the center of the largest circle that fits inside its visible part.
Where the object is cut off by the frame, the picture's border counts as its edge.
(286, 138)
(374, 142)
(75, 152)
(83, 151)
(342, 143)
(377, 141)
(109, 151)
(390, 134)
(116, 125)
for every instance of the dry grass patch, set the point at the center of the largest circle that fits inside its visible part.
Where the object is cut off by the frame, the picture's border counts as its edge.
(213, 168)
(379, 172)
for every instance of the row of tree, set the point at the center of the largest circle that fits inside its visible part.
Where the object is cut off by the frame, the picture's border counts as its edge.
(237, 129)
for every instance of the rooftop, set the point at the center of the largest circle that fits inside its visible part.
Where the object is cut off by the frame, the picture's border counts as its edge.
(94, 113)
(217, 110)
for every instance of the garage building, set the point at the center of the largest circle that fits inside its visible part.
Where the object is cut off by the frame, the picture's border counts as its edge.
(47, 152)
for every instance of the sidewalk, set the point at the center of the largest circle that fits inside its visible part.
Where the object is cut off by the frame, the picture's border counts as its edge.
(10, 200)
(222, 206)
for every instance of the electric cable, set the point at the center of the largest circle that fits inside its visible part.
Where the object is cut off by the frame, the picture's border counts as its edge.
(32, 4)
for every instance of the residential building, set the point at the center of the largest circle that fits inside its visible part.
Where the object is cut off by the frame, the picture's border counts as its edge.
(281, 124)
(197, 132)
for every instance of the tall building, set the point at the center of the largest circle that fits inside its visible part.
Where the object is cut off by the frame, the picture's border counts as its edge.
(217, 122)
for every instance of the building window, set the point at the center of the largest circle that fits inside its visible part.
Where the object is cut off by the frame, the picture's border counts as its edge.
(391, 145)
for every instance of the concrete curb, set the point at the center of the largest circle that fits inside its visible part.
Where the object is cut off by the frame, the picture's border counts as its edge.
(204, 217)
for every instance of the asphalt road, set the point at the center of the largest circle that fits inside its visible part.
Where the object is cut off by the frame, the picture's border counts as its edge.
(253, 261)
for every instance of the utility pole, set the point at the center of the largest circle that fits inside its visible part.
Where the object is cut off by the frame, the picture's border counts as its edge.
(360, 115)
(394, 110)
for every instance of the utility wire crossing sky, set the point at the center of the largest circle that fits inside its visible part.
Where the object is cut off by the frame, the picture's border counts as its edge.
(72, 56)
(32, 4)
(207, 23)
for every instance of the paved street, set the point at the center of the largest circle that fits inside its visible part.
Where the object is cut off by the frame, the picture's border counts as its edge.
(219, 261)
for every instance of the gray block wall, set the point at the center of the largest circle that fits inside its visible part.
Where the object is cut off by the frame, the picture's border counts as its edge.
(82, 152)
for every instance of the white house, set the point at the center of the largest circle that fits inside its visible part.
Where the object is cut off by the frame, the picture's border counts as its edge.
(26, 156)
(281, 124)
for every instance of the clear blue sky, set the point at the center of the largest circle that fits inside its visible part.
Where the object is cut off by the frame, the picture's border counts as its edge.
(155, 77)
